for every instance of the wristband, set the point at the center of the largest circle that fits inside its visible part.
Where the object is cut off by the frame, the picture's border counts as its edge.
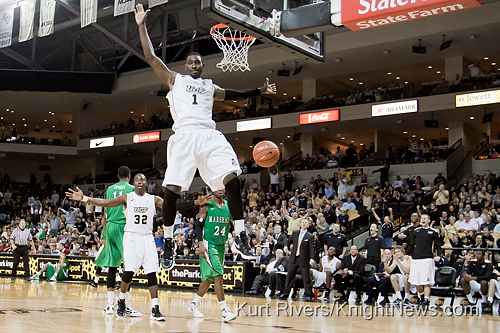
(85, 198)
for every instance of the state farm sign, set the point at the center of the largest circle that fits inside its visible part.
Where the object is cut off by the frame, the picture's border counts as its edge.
(364, 14)
(319, 117)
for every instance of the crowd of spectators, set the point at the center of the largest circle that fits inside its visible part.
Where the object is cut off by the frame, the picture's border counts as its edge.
(464, 215)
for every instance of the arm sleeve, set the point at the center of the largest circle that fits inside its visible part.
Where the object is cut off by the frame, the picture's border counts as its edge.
(198, 229)
(233, 95)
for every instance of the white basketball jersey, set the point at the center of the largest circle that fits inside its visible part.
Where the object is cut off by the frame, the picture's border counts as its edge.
(332, 265)
(139, 213)
(191, 102)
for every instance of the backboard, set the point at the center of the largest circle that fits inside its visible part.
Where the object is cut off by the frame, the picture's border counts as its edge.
(261, 19)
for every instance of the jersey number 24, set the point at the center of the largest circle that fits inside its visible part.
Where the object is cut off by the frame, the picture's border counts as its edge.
(222, 232)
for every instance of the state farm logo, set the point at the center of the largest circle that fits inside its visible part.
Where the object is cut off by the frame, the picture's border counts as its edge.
(378, 5)
(319, 117)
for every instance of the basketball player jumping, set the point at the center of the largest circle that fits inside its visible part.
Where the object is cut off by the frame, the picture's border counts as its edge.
(211, 230)
(196, 143)
(138, 243)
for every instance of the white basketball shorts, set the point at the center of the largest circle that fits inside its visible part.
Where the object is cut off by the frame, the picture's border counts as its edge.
(139, 250)
(422, 272)
(319, 278)
(206, 150)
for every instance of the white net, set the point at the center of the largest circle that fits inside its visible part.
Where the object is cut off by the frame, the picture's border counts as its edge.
(234, 44)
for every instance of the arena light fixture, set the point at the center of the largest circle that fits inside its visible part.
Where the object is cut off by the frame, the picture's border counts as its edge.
(361, 83)
(438, 72)
(131, 111)
(446, 128)
(352, 141)
(24, 119)
(288, 136)
(251, 146)
(284, 94)
(351, 79)
(13, 124)
(389, 73)
(397, 77)
(430, 66)
(343, 138)
(11, 111)
(25, 125)
(471, 118)
(486, 58)
(414, 136)
(45, 120)
(493, 64)
(70, 121)
(405, 132)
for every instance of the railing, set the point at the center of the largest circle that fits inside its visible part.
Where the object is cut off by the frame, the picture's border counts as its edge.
(454, 147)
(291, 161)
(480, 147)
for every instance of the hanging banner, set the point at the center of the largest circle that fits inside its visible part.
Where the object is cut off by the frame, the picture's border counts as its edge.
(88, 12)
(124, 6)
(6, 20)
(152, 3)
(47, 12)
(26, 20)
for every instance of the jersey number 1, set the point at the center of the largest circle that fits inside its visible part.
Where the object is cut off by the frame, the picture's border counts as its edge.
(195, 102)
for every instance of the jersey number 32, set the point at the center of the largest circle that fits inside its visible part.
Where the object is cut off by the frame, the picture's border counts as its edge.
(140, 219)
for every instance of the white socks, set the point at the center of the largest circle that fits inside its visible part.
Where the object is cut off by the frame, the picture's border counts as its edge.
(197, 299)
(469, 297)
(154, 302)
(223, 305)
(420, 295)
(122, 295)
(168, 232)
(111, 297)
(96, 279)
(239, 226)
(490, 299)
(400, 296)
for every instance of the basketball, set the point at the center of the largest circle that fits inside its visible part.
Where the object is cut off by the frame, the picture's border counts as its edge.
(266, 154)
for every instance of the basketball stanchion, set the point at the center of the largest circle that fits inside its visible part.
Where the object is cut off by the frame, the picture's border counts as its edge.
(234, 44)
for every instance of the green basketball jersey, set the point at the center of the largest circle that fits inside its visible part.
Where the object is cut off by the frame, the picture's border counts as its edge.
(217, 223)
(115, 214)
(64, 270)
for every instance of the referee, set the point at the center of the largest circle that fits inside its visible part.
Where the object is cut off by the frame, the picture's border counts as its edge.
(19, 240)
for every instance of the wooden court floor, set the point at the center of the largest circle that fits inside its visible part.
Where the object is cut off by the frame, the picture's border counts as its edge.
(76, 307)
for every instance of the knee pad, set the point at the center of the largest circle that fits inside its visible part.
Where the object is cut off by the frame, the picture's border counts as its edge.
(234, 201)
(111, 279)
(127, 277)
(169, 209)
(152, 280)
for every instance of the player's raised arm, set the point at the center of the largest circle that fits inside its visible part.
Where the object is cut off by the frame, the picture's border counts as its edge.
(78, 196)
(234, 95)
(160, 69)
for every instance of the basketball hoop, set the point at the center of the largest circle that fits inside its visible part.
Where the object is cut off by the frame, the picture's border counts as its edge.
(235, 45)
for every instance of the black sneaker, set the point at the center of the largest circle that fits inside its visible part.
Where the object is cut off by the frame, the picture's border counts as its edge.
(121, 308)
(93, 284)
(168, 257)
(326, 295)
(156, 314)
(385, 302)
(370, 301)
(407, 302)
(358, 301)
(240, 246)
(425, 303)
(118, 285)
(398, 301)
(487, 307)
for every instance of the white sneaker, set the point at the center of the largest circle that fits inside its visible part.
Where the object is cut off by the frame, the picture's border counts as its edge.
(53, 278)
(227, 316)
(109, 309)
(132, 313)
(34, 277)
(193, 308)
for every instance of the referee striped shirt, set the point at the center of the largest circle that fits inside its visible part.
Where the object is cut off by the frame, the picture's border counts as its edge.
(21, 237)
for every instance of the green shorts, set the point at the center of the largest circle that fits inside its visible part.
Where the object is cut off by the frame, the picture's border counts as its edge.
(51, 270)
(214, 266)
(112, 254)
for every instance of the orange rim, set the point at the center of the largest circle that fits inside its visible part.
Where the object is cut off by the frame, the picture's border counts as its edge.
(223, 26)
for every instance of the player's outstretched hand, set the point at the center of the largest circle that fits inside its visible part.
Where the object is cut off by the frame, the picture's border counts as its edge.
(140, 14)
(203, 251)
(268, 88)
(75, 195)
(203, 200)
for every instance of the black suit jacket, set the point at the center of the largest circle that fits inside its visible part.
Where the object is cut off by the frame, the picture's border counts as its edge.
(263, 260)
(280, 242)
(358, 267)
(306, 248)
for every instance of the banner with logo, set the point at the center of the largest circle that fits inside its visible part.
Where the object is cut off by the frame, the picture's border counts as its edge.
(390, 109)
(124, 6)
(364, 14)
(319, 117)
(481, 98)
(152, 3)
(88, 12)
(47, 13)
(6, 24)
(26, 20)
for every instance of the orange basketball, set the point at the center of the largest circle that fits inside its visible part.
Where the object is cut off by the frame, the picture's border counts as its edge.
(266, 154)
